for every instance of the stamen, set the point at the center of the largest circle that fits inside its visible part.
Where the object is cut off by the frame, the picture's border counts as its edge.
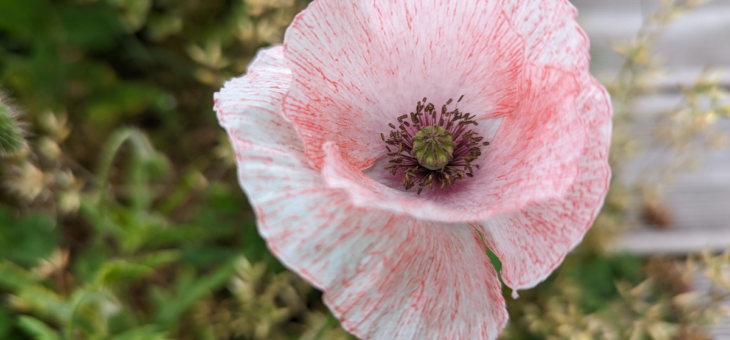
(433, 145)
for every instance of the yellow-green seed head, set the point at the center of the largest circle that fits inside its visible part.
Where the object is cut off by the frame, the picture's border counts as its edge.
(433, 147)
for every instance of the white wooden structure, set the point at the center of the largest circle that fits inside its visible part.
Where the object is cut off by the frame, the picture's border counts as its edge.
(699, 202)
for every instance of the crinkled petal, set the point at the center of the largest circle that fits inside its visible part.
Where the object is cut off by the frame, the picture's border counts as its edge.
(534, 156)
(533, 241)
(536, 152)
(359, 65)
(552, 36)
(385, 276)
(428, 281)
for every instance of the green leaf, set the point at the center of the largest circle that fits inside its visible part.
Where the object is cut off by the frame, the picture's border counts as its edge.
(160, 258)
(123, 99)
(92, 27)
(199, 255)
(28, 19)
(223, 219)
(26, 239)
(116, 271)
(15, 277)
(142, 333)
(496, 263)
(7, 321)
(89, 310)
(37, 329)
(597, 275)
(43, 301)
(188, 291)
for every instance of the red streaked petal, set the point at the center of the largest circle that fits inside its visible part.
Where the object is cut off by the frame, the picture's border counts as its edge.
(431, 281)
(552, 36)
(533, 241)
(385, 276)
(534, 156)
(536, 151)
(358, 65)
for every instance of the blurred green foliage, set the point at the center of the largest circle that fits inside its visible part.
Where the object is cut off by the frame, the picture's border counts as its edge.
(112, 232)
(11, 136)
(151, 64)
(25, 239)
(104, 237)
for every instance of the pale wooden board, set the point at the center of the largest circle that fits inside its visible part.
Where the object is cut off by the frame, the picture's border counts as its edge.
(719, 331)
(698, 38)
(699, 202)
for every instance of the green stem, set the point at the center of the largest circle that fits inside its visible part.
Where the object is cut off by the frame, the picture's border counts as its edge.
(140, 146)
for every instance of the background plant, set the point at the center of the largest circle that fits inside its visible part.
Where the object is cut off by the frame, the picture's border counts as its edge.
(121, 217)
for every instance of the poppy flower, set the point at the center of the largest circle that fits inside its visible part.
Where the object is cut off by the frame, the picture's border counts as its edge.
(387, 143)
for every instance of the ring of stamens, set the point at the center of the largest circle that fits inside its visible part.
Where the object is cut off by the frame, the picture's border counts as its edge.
(433, 147)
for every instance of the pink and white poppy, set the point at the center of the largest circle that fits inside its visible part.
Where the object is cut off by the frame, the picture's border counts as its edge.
(387, 141)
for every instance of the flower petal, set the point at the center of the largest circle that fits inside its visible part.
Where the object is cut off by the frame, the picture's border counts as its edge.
(532, 242)
(359, 65)
(428, 281)
(552, 35)
(534, 156)
(385, 276)
(536, 151)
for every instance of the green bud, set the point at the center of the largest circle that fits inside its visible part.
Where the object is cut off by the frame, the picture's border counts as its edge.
(11, 136)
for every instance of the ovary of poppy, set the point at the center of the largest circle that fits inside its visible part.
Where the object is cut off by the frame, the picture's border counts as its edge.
(396, 256)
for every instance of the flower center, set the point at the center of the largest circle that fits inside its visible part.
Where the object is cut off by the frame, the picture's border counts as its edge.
(433, 148)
